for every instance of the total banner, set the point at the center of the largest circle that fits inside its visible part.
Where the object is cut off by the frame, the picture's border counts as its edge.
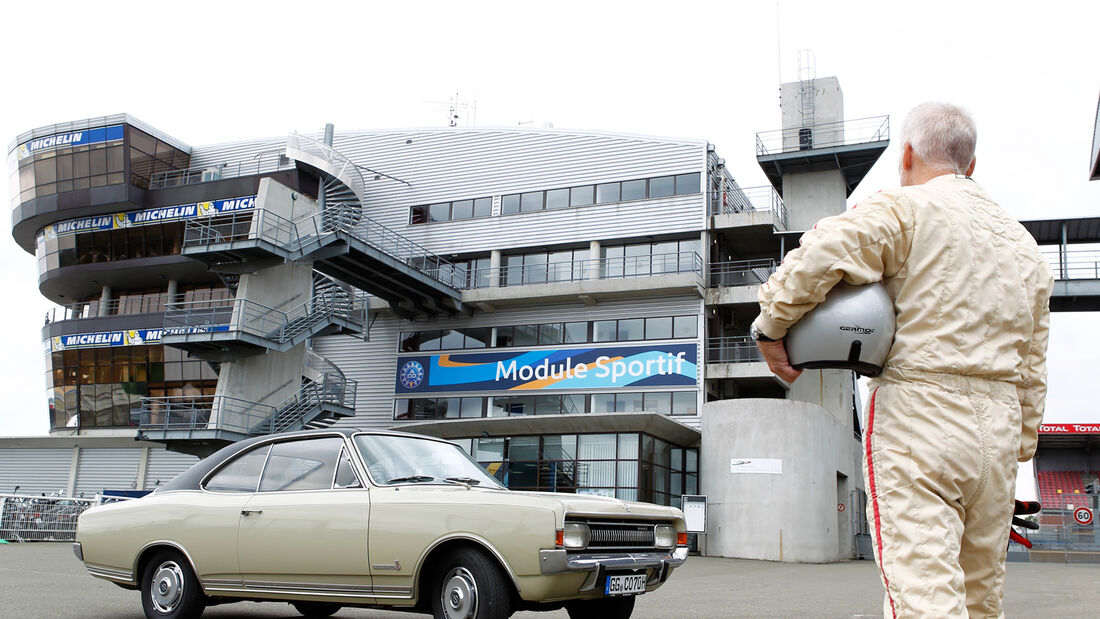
(149, 216)
(559, 369)
(129, 337)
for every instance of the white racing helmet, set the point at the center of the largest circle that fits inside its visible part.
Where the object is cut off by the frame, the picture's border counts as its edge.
(852, 329)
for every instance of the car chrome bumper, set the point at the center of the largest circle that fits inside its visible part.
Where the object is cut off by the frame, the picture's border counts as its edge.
(561, 562)
(78, 551)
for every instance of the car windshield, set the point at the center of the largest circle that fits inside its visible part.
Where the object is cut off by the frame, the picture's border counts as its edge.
(409, 460)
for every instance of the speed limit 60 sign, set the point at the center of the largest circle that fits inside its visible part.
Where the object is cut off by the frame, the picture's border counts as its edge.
(1082, 515)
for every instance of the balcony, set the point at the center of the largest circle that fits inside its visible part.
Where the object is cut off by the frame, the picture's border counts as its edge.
(587, 280)
(735, 357)
(735, 206)
(850, 146)
(1077, 278)
(262, 163)
(737, 281)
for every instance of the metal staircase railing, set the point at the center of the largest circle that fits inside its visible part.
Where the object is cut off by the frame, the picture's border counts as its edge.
(195, 413)
(281, 328)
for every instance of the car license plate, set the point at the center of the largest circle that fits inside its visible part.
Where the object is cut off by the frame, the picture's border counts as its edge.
(625, 584)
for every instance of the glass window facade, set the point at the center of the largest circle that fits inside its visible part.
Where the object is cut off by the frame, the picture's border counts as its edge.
(451, 211)
(108, 161)
(605, 193)
(103, 387)
(664, 402)
(630, 465)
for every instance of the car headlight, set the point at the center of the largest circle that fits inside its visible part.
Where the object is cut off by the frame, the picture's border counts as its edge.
(664, 536)
(575, 535)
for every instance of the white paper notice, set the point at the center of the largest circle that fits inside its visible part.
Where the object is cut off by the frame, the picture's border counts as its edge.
(766, 466)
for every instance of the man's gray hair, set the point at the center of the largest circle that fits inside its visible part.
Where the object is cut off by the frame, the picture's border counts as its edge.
(942, 135)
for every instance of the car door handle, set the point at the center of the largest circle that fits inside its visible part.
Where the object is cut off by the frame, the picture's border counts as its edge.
(249, 512)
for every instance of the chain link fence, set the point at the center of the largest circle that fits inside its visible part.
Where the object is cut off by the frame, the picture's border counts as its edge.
(25, 518)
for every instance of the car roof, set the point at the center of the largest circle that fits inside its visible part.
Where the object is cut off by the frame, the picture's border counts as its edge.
(191, 479)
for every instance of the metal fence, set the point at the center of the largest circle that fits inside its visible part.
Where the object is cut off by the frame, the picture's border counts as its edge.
(25, 518)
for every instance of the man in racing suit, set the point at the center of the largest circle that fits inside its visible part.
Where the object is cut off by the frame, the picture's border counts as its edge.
(961, 396)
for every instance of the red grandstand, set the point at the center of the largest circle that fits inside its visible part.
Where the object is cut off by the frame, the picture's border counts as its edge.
(1067, 464)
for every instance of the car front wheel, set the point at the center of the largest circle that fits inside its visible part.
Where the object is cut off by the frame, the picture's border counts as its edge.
(605, 608)
(169, 588)
(470, 585)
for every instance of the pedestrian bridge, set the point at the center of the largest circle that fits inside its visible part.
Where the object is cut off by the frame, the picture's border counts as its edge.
(1072, 246)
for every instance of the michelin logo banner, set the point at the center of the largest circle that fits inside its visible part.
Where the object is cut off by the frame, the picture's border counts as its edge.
(131, 337)
(575, 368)
(73, 138)
(150, 216)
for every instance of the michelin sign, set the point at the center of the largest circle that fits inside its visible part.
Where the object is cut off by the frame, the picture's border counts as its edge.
(575, 368)
(72, 138)
(149, 216)
(130, 337)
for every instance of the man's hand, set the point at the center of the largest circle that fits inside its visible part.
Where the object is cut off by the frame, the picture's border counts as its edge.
(775, 353)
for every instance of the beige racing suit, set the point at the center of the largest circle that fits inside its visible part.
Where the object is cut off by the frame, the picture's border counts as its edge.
(961, 396)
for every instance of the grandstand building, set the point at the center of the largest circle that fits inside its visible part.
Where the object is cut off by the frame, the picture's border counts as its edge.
(571, 307)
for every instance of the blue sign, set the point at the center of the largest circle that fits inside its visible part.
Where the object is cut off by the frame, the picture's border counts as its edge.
(149, 216)
(131, 337)
(560, 369)
(72, 138)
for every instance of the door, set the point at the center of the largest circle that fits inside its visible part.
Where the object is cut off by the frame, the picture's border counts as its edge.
(305, 530)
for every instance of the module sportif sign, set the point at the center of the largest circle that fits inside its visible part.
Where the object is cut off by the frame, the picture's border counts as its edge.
(72, 138)
(149, 216)
(1069, 428)
(610, 367)
(130, 337)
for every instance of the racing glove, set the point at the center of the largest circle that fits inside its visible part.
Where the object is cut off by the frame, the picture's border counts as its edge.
(1023, 508)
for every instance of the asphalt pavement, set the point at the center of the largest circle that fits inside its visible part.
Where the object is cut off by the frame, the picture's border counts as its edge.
(44, 580)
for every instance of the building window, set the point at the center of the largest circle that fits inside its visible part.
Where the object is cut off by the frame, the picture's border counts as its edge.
(604, 193)
(451, 211)
(551, 334)
(662, 402)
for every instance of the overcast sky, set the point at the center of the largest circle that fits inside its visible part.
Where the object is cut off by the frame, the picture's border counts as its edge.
(207, 72)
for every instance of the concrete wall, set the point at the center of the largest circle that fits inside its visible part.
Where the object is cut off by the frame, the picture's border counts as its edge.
(809, 196)
(790, 516)
(272, 377)
(828, 102)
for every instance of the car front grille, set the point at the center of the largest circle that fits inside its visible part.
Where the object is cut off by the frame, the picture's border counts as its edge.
(621, 535)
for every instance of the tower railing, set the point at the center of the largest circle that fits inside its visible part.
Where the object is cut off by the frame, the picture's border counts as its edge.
(823, 135)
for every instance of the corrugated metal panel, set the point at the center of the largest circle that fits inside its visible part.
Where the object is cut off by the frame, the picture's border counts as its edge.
(374, 363)
(107, 469)
(35, 471)
(164, 465)
(453, 164)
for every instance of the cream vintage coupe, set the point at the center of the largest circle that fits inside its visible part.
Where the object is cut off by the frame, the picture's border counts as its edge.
(331, 518)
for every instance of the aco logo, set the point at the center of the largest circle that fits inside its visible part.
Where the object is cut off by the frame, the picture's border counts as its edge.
(411, 374)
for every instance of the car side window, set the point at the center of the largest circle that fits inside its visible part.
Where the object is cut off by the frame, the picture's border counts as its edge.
(302, 465)
(242, 474)
(345, 473)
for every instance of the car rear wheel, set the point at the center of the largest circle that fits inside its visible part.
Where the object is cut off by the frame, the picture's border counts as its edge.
(169, 589)
(470, 585)
(316, 609)
(605, 608)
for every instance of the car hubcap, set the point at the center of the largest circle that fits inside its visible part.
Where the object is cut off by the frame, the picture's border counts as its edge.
(459, 594)
(167, 587)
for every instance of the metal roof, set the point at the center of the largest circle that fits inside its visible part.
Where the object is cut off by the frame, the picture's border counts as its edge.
(1049, 231)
